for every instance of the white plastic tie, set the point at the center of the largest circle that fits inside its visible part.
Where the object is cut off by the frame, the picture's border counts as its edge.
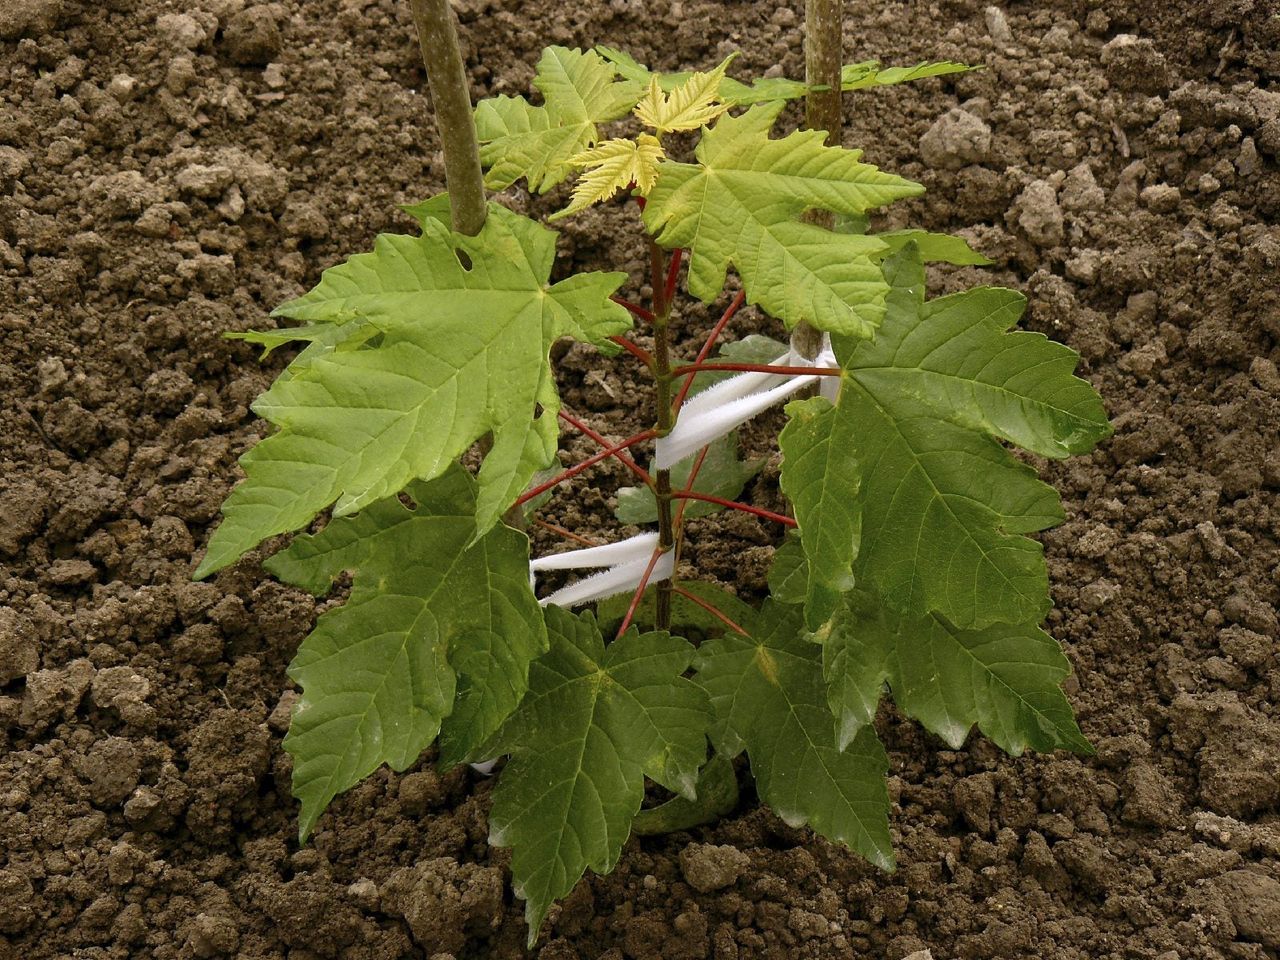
(712, 413)
(624, 565)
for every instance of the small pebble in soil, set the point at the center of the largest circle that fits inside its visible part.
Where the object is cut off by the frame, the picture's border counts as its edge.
(997, 26)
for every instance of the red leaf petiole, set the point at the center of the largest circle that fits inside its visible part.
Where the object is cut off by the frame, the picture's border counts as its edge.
(641, 354)
(635, 599)
(635, 309)
(759, 368)
(735, 505)
(673, 275)
(621, 457)
(712, 337)
(577, 468)
(711, 609)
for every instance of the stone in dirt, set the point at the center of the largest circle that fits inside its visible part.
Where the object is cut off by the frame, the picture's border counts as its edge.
(708, 867)
(957, 138)
(997, 26)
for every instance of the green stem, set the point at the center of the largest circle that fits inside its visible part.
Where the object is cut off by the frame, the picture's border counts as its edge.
(823, 51)
(665, 421)
(441, 55)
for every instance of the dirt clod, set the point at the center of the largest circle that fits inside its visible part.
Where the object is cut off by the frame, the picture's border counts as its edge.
(445, 902)
(707, 867)
(19, 652)
(251, 37)
(17, 902)
(956, 138)
(1254, 902)
(112, 768)
(30, 18)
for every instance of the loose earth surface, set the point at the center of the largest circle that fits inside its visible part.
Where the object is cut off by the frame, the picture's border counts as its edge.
(168, 173)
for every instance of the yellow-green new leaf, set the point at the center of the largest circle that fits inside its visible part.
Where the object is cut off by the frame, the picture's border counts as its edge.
(519, 139)
(612, 166)
(463, 352)
(595, 722)
(690, 105)
(741, 204)
(434, 628)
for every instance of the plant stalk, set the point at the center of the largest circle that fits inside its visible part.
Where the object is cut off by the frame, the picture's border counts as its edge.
(823, 51)
(447, 80)
(665, 421)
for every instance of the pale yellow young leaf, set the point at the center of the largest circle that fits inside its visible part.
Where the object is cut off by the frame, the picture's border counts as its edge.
(611, 166)
(691, 105)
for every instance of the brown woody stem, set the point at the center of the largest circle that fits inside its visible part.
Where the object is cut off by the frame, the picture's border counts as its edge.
(441, 55)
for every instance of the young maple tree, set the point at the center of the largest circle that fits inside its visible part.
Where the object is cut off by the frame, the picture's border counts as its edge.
(907, 565)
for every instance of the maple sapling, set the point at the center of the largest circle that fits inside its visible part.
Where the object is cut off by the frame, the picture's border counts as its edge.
(904, 560)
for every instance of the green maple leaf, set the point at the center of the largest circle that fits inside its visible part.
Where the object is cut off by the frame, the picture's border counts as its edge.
(820, 477)
(945, 509)
(859, 76)
(537, 142)
(1004, 678)
(769, 698)
(433, 628)
(595, 722)
(722, 474)
(789, 573)
(461, 352)
(741, 205)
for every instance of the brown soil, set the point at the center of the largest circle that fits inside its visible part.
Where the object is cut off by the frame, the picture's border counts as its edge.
(167, 174)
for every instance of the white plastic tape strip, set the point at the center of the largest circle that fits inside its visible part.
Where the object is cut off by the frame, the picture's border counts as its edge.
(625, 563)
(713, 412)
